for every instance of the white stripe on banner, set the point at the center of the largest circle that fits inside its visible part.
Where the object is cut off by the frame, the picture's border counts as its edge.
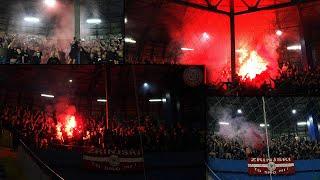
(277, 165)
(107, 159)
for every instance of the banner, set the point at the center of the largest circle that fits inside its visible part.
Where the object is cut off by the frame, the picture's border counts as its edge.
(274, 166)
(113, 160)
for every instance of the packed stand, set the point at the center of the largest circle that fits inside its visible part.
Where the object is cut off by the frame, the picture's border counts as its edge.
(108, 51)
(295, 81)
(284, 146)
(158, 137)
(34, 49)
(290, 81)
(41, 129)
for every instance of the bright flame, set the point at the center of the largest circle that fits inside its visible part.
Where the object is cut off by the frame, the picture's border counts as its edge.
(250, 64)
(70, 125)
(59, 132)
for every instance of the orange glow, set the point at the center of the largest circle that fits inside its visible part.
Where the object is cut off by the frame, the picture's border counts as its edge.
(59, 133)
(70, 125)
(250, 64)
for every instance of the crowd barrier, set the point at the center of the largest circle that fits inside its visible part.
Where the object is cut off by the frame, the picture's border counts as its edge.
(33, 167)
(238, 170)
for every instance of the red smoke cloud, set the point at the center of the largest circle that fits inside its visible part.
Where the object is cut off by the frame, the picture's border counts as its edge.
(69, 122)
(63, 29)
(208, 34)
(214, 52)
(257, 32)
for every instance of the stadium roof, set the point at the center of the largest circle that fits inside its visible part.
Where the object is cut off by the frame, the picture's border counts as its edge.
(240, 6)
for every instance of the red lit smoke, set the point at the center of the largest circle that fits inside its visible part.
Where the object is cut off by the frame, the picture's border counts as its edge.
(214, 52)
(255, 32)
(69, 123)
(63, 29)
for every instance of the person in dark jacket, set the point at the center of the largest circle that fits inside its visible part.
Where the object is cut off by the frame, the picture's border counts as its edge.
(54, 58)
(37, 56)
(75, 51)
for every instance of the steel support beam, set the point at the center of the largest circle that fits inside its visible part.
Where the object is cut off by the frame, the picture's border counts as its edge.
(214, 8)
(233, 41)
(202, 7)
(276, 6)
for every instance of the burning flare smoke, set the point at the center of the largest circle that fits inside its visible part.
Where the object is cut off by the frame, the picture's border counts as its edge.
(69, 124)
(204, 31)
(68, 127)
(250, 64)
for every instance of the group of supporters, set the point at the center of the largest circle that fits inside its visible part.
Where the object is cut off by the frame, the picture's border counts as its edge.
(41, 129)
(291, 80)
(31, 49)
(296, 81)
(284, 146)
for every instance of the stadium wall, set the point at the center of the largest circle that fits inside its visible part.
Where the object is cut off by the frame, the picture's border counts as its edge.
(237, 170)
(159, 165)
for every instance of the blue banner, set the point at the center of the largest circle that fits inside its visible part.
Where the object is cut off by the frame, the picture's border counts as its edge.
(238, 170)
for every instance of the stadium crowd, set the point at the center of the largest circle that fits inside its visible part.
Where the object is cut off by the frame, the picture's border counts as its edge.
(41, 129)
(290, 81)
(284, 146)
(296, 81)
(31, 49)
